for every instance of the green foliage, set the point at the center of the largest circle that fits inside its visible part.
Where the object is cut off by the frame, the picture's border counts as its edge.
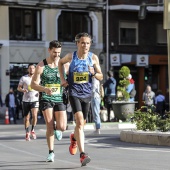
(147, 119)
(123, 83)
(164, 124)
(124, 72)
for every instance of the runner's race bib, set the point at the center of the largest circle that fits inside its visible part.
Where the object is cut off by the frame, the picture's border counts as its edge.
(54, 87)
(81, 77)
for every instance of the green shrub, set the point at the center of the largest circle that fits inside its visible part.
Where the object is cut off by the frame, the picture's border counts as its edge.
(147, 119)
(123, 83)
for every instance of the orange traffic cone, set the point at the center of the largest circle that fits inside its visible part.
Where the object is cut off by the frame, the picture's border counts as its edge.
(6, 117)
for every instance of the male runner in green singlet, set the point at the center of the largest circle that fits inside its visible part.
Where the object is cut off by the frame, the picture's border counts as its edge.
(51, 102)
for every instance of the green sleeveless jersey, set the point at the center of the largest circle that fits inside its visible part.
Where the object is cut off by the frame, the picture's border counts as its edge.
(50, 78)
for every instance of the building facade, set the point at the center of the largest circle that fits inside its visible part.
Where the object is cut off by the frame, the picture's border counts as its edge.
(138, 43)
(27, 27)
(119, 37)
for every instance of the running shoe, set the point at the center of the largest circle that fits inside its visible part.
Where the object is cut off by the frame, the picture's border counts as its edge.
(58, 134)
(33, 135)
(73, 145)
(50, 157)
(27, 137)
(84, 159)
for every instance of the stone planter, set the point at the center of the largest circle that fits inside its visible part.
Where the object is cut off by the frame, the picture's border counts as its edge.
(123, 110)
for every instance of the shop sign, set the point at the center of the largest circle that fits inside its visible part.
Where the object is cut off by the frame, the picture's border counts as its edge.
(115, 59)
(142, 60)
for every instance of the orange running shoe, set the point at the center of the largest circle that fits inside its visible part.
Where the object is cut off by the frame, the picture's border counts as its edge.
(33, 135)
(73, 145)
(27, 137)
(84, 159)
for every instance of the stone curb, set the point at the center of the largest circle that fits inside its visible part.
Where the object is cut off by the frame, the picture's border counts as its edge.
(142, 137)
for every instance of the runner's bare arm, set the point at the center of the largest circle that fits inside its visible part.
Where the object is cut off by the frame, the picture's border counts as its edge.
(35, 83)
(67, 59)
(98, 73)
(20, 88)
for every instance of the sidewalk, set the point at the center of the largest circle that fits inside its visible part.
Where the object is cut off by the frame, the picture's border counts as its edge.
(106, 125)
(88, 126)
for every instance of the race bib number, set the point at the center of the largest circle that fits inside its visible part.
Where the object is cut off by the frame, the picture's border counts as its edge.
(54, 87)
(29, 88)
(81, 77)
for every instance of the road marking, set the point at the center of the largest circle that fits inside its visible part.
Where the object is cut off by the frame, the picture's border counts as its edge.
(94, 142)
(65, 162)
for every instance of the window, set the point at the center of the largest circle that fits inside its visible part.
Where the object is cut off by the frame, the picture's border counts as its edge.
(71, 23)
(25, 24)
(128, 33)
(161, 35)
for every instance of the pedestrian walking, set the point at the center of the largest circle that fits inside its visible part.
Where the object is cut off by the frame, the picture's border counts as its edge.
(83, 66)
(51, 101)
(95, 104)
(109, 92)
(30, 102)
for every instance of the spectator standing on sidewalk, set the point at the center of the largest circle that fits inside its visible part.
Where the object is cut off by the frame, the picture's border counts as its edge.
(148, 96)
(30, 102)
(167, 100)
(95, 104)
(11, 103)
(1, 103)
(83, 66)
(131, 88)
(160, 103)
(109, 92)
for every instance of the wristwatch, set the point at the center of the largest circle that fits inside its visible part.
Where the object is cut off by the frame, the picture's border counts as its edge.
(94, 74)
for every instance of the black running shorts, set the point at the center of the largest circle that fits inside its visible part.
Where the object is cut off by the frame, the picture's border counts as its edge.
(27, 106)
(80, 104)
(56, 106)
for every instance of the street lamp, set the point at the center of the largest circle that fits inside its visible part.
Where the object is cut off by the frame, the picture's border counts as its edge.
(167, 27)
(143, 9)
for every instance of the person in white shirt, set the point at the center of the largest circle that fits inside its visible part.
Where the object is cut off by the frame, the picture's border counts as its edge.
(30, 102)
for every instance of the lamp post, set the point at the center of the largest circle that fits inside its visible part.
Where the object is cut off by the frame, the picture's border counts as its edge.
(167, 27)
(107, 35)
(143, 9)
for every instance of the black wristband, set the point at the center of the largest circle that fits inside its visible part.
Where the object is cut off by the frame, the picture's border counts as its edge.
(94, 74)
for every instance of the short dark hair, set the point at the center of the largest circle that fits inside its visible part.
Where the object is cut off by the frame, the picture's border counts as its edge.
(54, 44)
(110, 73)
(31, 64)
(82, 34)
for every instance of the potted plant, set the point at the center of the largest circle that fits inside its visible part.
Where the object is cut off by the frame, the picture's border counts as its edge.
(122, 94)
(122, 107)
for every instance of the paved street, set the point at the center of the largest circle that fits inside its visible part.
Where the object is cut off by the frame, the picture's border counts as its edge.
(106, 151)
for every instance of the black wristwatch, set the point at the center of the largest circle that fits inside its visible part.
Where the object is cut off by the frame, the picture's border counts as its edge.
(94, 74)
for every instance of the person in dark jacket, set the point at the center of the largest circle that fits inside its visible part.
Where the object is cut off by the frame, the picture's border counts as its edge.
(160, 103)
(11, 103)
(1, 103)
(109, 92)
